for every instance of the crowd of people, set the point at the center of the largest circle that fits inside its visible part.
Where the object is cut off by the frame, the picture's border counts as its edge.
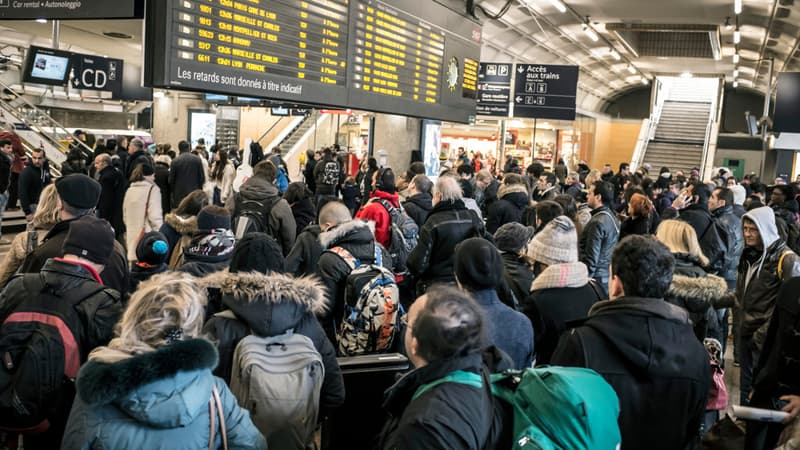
(153, 302)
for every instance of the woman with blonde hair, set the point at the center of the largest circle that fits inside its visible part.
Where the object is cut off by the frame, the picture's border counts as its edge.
(152, 386)
(44, 219)
(692, 287)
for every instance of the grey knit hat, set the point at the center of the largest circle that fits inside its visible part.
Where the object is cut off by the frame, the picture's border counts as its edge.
(557, 243)
(513, 237)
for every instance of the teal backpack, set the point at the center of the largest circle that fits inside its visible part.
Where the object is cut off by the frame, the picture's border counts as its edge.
(555, 408)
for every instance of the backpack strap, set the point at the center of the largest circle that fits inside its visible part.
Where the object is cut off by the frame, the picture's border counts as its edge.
(460, 377)
(214, 411)
(378, 255)
(348, 257)
(780, 264)
(613, 219)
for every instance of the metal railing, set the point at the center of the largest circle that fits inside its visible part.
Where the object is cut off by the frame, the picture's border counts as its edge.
(277, 122)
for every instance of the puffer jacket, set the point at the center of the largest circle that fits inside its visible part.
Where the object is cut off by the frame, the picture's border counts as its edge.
(374, 211)
(356, 237)
(759, 280)
(730, 227)
(156, 400)
(699, 293)
(267, 306)
(597, 242)
(305, 253)
(448, 224)
(281, 220)
(418, 207)
(511, 202)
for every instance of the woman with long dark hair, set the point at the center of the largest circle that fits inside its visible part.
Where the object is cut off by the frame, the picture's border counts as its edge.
(222, 175)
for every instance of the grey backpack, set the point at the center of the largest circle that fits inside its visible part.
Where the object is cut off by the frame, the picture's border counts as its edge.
(279, 380)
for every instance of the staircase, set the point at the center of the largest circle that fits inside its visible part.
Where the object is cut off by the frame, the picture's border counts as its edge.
(294, 136)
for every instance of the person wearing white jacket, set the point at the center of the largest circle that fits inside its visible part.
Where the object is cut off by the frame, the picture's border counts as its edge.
(141, 208)
(222, 176)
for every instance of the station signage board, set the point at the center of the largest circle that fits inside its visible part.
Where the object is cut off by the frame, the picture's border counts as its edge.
(494, 88)
(96, 73)
(545, 91)
(66, 10)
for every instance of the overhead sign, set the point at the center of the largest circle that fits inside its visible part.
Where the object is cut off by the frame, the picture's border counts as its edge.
(494, 89)
(67, 9)
(545, 91)
(96, 73)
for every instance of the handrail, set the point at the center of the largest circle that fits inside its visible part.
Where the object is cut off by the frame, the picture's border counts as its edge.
(53, 124)
(270, 129)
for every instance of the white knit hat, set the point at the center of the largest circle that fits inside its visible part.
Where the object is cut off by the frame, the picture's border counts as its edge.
(557, 243)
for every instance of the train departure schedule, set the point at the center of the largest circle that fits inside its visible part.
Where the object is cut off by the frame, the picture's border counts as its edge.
(352, 53)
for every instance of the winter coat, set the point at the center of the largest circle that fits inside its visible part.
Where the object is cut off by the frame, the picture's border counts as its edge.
(561, 173)
(730, 227)
(710, 240)
(418, 206)
(5, 172)
(573, 190)
(32, 181)
(598, 240)
(116, 274)
(225, 185)
(560, 296)
(664, 201)
(646, 350)
(639, 226)
(136, 160)
(112, 196)
(267, 306)
(548, 194)
(509, 330)
(374, 211)
(281, 221)
(207, 252)
(448, 224)
(518, 275)
(759, 280)
(305, 253)
(141, 214)
(434, 420)
(155, 400)
(698, 293)
(319, 170)
(304, 214)
(738, 210)
(584, 215)
(177, 228)
(487, 196)
(15, 256)
(142, 272)
(356, 237)
(308, 174)
(186, 174)
(351, 197)
(162, 181)
(511, 202)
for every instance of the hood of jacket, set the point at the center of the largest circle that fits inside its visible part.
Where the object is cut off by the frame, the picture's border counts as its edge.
(721, 211)
(167, 388)
(517, 194)
(270, 304)
(643, 330)
(424, 201)
(59, 274)
(764, 219)
(569, 275)
(258, 189)
(697, 293)
(183, 225)
(352, 232)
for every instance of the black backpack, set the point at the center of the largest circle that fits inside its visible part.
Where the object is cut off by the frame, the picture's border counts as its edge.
(252, 216)
(40, 346)
(405, 234)
(329, 175)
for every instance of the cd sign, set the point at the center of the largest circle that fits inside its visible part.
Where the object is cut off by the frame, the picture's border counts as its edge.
(96, 73)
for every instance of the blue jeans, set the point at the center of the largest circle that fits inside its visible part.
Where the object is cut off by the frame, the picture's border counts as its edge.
(3, 203)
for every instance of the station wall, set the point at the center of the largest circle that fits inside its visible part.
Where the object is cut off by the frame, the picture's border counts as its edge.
(171, 117)
(398, 136)
(615, 141)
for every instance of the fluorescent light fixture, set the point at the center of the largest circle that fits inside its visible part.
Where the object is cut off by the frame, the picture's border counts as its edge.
(736, 58)
(158, 94)
(735, 84)
(631, 69)
(645, 81)
(590, 33)
(686, 75)
(615, 54)
(559, 5)
(735, 73)
(41, 20)
(737, 37)
(737, 7)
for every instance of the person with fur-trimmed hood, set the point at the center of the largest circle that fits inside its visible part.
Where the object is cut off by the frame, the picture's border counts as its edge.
(261, 299)
(512, 199)
(152, 386)
(354, 236)
(181, 224)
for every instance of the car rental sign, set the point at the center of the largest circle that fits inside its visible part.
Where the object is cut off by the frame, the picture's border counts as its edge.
(545, 91)
(67, 9)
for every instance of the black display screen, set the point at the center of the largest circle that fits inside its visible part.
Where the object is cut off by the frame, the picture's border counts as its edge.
(351, 53)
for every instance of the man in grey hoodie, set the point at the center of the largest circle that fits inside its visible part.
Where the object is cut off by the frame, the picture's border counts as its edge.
(766, 262)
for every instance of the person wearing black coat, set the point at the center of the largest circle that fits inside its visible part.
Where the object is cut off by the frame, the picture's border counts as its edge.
(32, 180)
(304, 256)
(300, 198)
(137, 158)
(512, 199)
(420, 201)
(112, 193)
(600, 235)
(162, 181)
(186, 174)
(512, 240)
(308, 171)
(486, 190)
(642, 217)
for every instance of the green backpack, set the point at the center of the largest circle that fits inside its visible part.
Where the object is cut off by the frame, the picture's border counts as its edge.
(555, 408)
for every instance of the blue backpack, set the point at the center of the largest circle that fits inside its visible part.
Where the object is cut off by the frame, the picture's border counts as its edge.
(282, 182)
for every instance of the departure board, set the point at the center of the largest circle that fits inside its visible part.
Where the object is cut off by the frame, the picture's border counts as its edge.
(365, 54)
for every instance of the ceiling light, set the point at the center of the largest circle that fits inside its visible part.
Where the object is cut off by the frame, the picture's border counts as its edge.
(736, 58)
(737, 37)
(158, 94)
(631, 69)
(590, 32)
(559, 5)
(735, 84)
(41, 20)
(686, 75)
(615, 54)
(737, 7)
(645, 81)
(728, 24)
(735, 73)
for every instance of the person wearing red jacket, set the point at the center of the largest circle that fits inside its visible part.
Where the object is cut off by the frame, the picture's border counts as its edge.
(384, 193)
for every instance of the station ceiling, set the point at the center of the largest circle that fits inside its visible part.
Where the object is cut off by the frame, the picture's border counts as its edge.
(651, 37)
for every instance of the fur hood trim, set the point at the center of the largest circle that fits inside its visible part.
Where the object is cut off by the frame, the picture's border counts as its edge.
(100, 383)
(506, 189)
(273, 288)
(183, 225)
(335, 234)
(708, 289)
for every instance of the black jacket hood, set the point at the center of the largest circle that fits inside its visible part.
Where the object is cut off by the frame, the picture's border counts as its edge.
(423, 201)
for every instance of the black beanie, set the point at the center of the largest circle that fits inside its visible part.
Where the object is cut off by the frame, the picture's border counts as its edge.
(78, 190)
(152, 249)
(212, 218)
(478, 264)
(147, 170)
(257, 252)
(90, 238)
